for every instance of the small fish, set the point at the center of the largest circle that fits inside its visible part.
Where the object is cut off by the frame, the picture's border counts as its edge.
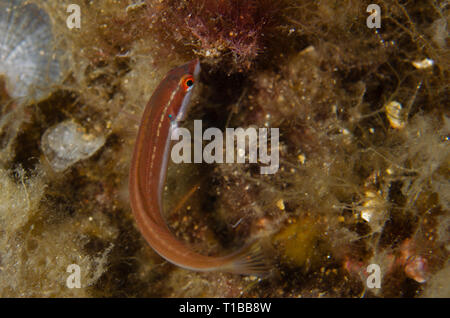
(165, 109)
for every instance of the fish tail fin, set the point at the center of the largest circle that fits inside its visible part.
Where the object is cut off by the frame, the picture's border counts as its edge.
(249, 260)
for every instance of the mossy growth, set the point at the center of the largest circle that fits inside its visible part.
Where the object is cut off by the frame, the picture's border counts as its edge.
(299, 242)
(352, 189)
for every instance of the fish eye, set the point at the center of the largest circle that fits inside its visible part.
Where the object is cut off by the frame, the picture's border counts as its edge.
(188, 83)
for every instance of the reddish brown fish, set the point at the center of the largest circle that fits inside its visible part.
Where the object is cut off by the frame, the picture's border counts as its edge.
(165, 109)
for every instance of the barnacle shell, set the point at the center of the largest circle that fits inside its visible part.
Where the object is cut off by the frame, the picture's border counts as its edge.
(27, 56)
(67, 142)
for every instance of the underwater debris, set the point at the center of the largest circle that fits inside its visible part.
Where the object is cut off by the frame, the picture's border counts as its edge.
(27, 55)
(416, 269)
(67, 143)
(280, 204)
(395, 115)
(425, 63)
(415, 265)
(373, 210)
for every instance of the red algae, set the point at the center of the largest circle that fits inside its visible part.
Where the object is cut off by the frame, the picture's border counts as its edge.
(225, 27)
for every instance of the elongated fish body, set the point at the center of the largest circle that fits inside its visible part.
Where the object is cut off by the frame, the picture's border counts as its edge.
(165, 109)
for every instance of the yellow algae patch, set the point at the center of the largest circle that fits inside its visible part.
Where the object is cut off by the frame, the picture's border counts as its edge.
(298, 241)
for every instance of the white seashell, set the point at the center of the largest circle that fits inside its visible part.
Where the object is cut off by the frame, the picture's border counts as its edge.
(27, 56)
